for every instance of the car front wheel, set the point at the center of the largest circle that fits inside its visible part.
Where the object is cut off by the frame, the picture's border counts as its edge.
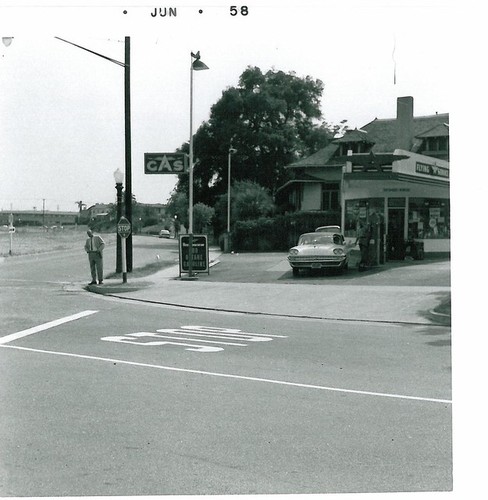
(296, 271)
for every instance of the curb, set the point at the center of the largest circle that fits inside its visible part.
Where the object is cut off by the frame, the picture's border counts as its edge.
(271, 314)
(110, 288)
(135, 285)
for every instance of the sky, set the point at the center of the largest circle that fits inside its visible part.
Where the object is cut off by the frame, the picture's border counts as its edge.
(62, 108)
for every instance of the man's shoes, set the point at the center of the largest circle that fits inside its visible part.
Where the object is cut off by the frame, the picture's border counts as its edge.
(92, 283)
(100, 282)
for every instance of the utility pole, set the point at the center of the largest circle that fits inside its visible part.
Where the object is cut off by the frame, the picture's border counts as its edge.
(128, 163)
(128, 153)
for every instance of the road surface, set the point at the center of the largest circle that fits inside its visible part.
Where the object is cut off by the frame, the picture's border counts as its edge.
(101, 396)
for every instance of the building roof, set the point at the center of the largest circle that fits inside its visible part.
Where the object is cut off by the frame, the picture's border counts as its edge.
(318, 159)
(383, 131)
(354, 136)
(441, 130)
(382, 134)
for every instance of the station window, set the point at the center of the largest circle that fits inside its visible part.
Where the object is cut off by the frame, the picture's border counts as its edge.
(429, 218)
(361, 209)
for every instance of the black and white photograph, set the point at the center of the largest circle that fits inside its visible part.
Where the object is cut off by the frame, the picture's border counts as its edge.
(235, 258)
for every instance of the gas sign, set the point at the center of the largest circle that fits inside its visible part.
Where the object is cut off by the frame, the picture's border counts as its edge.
(165, 163)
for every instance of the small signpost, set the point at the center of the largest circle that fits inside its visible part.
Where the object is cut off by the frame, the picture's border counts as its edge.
(11, 230)
(124, 230)
(199, 262)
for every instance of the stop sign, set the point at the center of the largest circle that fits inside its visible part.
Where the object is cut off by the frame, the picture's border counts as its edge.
(123, 227)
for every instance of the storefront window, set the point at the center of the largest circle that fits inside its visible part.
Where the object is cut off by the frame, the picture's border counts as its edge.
(361, 210)
(429, 218)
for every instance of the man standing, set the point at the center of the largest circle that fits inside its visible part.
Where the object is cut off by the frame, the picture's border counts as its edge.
(363, 237)
(94, 248)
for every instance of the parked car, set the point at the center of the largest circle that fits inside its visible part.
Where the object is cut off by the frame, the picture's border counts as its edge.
(319, 250)
(164, 233)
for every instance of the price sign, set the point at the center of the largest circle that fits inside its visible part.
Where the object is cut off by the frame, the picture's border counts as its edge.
(199, 252)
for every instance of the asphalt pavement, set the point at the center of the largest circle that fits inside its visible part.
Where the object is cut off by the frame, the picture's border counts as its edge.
(416, 292)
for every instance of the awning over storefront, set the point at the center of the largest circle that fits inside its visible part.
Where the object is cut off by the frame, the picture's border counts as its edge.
(373, 160)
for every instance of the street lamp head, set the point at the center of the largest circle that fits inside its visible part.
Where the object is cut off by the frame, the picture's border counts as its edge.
(118, 176)
(232, 151)
(198, 65)
(7, 40)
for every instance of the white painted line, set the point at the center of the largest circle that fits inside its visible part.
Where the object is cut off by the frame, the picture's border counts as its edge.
(247, 338)
(132, 336)
(45, 326)
(188, 347)
(238, 377)
(234, 331)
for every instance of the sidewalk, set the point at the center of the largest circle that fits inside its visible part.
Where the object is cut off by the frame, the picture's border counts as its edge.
(378, 297)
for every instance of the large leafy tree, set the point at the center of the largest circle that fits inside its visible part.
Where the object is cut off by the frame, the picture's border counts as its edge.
(271, 119)
(249, 200)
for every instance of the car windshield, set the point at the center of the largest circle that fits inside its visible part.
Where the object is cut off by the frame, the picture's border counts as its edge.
(328, 229)
(319, 239)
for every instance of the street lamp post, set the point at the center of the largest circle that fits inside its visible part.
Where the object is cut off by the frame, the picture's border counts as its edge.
(119, 177)
(196, 65)
(231, 152)
(176, 226)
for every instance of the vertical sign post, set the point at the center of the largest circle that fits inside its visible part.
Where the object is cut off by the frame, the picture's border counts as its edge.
(124, 230)
(11, 230)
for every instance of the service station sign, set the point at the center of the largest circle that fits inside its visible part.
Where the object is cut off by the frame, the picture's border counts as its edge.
(199, 251)
(165, 163)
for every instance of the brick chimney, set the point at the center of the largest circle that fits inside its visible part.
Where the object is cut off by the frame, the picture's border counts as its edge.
(404, 123)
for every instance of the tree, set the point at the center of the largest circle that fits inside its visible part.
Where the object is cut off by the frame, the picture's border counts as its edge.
(249, 201)
(271, 119)
(177, 206)
(202, 217)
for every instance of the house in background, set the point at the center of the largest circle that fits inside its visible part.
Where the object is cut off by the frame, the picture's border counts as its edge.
(141, 213)
(394, 172)
(46, 218)
(98, 211)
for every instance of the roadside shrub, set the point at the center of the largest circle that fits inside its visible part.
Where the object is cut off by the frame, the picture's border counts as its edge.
(278, 233)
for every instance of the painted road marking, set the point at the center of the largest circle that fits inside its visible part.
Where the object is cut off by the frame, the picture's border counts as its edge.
(45, 326)
(236, 377)
(188, 347)
(253, 337)
(221, 336)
